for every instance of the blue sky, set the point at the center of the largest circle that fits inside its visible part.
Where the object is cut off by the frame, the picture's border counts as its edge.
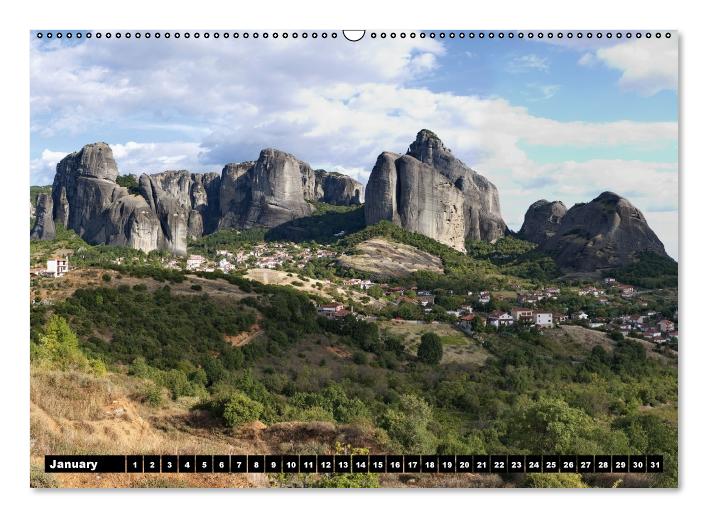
(554, 119)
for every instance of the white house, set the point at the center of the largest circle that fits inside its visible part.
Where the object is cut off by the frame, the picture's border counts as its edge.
(194, 262)
(500, 318)
(57, 266)
(666, 326)
(580, 315)
(225, 266)
(543, 319)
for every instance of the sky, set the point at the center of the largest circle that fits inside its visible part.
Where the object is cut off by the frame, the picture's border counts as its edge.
(554, 119)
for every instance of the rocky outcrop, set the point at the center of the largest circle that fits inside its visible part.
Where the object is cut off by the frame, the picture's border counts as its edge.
(337, 189)
(278, 188)
(430, 191)
(44, 221)
(483, 219)
(271, 191)
(186, 205)
(542, 220)
(175, 206)
(605, 233)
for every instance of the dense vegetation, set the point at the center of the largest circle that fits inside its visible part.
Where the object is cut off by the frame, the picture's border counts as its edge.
(534, 394)
(228, 238)
(515, 257)
(649, 271)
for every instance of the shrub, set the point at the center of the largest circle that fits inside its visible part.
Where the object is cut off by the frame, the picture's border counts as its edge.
(106, 277)
(152, 395)
(359, 357)
(196, 287)
(408, 425)
(241, 409)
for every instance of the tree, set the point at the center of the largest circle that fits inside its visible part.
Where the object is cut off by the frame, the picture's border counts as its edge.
(241, 409)
(58, 346)
(430, 349)
(376, 292)
(549, 425)
(408, 425)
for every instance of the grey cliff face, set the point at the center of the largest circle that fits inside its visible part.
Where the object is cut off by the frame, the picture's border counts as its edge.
(277, 193)
(44, 223)
(186, 205)
(268, 192)
(337, 189)
(84, 186)
(604, 233)
(430, 191)
(278, 188)
(542, 220)
(175, 206)
(483, 220)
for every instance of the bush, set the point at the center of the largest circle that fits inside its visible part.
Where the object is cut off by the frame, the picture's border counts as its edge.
(408, 425)
(241, 409)
(152, 395)
(106, 277)
(359, 358)
(196, 287)
(58, 348)
(430, 349)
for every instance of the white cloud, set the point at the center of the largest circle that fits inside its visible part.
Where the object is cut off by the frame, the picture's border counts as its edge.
(42, 169)
(541, 92)
(587, 59)
(528, 62)
(223, 101)
(153, 157)
(647, 66)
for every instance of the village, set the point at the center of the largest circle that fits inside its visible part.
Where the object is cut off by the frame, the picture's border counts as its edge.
(520, 309)
(263, 255)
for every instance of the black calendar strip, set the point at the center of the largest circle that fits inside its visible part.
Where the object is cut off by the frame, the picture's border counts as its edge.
(354, 463)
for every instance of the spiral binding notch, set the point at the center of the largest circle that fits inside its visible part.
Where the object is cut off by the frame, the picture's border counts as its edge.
(351, 35)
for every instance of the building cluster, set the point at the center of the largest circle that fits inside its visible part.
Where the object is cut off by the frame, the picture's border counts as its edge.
(270, 255)
(362, 284)
(532, 297)
(650, 326)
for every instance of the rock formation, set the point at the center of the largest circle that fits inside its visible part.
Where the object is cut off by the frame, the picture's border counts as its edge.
(430, 191)
(542, 220)
(604, 233)
(337, 189)
(175, 206)
(44, 221)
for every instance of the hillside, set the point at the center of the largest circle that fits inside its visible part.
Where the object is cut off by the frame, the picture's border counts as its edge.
(385, 259)
(144, 366)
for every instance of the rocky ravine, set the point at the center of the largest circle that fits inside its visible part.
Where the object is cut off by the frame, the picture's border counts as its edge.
(177, 205)
(604, 233)
(429, 191)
